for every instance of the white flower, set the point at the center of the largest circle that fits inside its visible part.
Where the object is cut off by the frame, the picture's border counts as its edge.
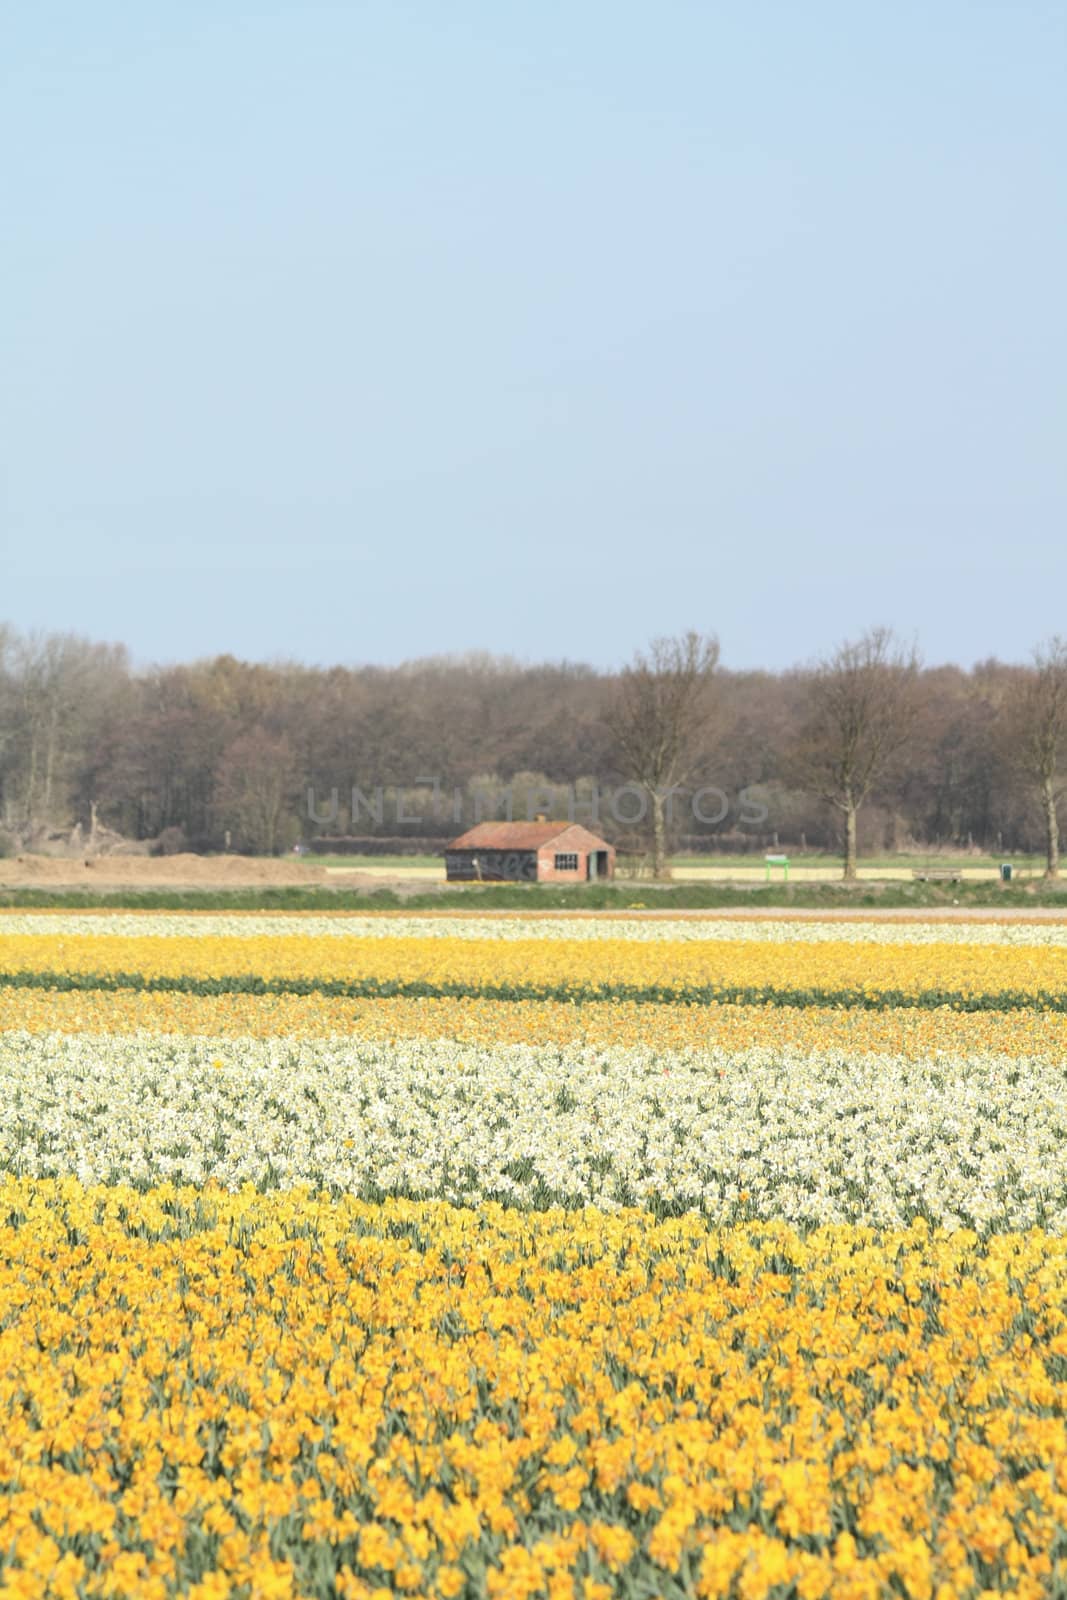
(824, 1137)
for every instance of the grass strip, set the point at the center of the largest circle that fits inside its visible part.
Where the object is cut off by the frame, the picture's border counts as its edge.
(538, 897)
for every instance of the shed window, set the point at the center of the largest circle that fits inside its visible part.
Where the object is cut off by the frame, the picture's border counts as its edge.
(567, 863)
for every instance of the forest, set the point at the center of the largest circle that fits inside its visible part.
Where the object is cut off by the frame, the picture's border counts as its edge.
(227, 754)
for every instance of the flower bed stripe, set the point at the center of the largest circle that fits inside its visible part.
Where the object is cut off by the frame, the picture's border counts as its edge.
(666, 970)
(374, 988)
(973, 1140)
(283, 1396)
(572, 928)
(910, 1031)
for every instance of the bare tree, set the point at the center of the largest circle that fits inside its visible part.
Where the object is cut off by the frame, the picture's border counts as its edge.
(255, 791)
(8, 702)
(60, 691)
(1037, 734)
(862, 704)
(659, 722)
(84, 736)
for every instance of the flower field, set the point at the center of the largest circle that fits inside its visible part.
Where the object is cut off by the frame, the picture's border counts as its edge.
(464, 1256)
(746, 966)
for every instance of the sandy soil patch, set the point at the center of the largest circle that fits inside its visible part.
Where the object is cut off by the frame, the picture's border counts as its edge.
(164, 872)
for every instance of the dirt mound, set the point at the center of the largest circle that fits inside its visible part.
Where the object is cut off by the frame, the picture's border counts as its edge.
(155, 872)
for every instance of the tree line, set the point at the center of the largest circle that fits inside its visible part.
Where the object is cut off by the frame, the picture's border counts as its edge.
(865, 750)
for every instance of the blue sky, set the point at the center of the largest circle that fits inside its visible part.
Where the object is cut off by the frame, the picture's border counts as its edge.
(361, 332)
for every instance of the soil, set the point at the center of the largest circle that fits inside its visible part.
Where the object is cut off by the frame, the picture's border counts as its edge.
(166, 872)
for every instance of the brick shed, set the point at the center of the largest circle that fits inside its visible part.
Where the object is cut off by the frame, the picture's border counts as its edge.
(529, 852)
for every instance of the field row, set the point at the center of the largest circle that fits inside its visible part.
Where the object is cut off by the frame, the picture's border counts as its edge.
(976, 1141)
(855, 929)
(836, 972)
(200, 1392)
(912, 1032)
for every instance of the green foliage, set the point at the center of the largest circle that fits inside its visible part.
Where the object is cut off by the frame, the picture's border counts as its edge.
(576, 994)
(554, 897)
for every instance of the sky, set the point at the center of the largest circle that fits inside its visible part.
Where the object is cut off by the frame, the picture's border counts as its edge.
(362, 332)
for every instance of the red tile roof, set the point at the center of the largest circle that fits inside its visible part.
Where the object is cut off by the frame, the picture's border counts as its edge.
(512, 835)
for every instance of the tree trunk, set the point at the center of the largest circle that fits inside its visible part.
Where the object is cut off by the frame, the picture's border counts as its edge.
(1052, 830)
(31, 781)
(850, 840)
(660, 869)
(50, 762)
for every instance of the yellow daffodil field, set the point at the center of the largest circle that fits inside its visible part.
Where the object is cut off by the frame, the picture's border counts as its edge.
(576, 1257)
